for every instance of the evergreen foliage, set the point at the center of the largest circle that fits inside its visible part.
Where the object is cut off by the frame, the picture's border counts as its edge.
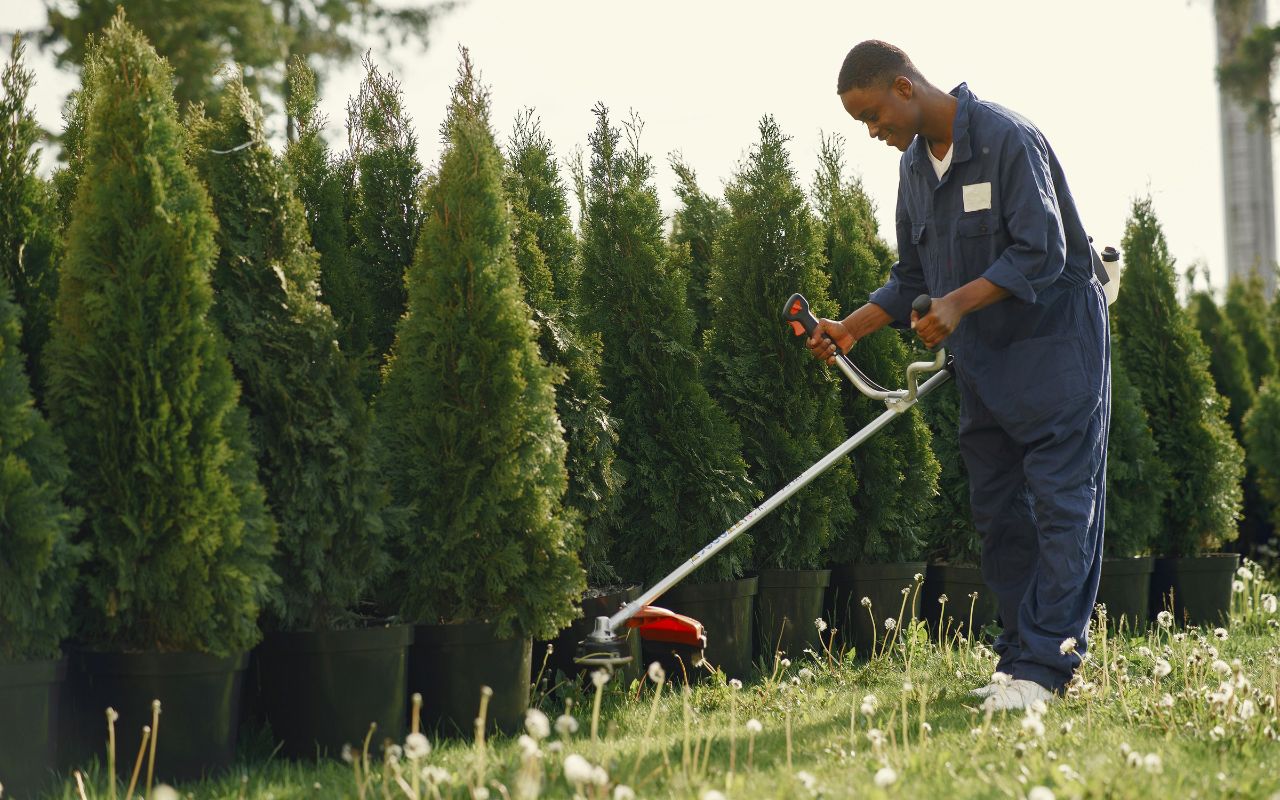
(385, 216)
(1262, 444)
(787, 406)
(686, 478)
(27, 215)
(321, 183)
(545, 254)
(1246, 310)
(141, 387)
(952, 537)
(38, 561)
(1137, 480)
(1168, 363)
(1228, 363)
(897, 474)
(310, 425)
(466, 413)
(696, 224)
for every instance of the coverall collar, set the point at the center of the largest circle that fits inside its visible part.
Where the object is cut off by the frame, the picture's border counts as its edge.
(960, 146)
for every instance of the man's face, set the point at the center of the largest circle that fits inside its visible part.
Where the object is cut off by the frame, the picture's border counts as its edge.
(887, 111)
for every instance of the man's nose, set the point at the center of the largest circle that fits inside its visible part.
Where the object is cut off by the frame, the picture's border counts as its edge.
(873, 131)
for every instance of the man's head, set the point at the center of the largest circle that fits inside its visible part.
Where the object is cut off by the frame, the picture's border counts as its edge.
(877, 86)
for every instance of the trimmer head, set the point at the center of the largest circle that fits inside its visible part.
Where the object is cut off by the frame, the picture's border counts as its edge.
(603, 648)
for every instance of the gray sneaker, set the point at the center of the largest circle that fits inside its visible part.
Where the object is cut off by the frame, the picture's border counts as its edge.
(998, 680)
(1018, 695)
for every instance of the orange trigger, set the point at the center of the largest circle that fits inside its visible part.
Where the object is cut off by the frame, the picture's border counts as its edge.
(797, 327)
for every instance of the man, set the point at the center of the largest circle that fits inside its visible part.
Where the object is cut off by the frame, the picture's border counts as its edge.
(987, 227)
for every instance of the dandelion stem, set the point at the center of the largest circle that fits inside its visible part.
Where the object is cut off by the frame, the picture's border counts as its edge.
(111, 753)
(137, 764)
(155, 734)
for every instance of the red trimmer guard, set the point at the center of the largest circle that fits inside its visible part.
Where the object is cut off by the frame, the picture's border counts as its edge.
(662, 625)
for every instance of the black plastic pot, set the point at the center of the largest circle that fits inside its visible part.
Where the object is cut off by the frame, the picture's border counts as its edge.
(564, 646)
(448, 665)
(199, 698)
(320, 690)
(29, 694)
(1125, 589)
(725, 610)
(882, 584)
(1200, 586)
(788, 602)
(957, 583)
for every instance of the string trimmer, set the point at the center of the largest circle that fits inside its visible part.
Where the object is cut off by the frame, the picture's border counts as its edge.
(605, 648)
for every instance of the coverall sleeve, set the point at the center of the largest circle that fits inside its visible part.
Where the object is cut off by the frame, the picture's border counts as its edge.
(906, 278)
(1032, 219)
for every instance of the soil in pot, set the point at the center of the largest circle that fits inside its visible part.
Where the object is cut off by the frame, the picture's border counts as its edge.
(448, 665)
(321, 690)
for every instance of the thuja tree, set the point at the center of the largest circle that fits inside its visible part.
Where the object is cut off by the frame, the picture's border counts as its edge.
(1159, 348)
(1246, 310)
(1137, 480)
(141, 387)
(950, 534)
(1262, 443)
(38, 560)
(321, 183)
(686, 478)
(27, 214)
(696, 224)
(309, 422)
(386, 213)
(467, 416)
(1228, 363)
(897, 474)
(788, 404)
(545, 254)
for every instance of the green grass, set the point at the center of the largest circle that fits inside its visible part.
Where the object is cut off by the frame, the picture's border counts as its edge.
(1110, 736)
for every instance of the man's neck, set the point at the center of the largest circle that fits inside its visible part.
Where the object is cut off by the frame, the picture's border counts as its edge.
(938, 119)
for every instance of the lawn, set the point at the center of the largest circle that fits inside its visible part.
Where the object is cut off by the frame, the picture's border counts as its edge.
(1165, 713)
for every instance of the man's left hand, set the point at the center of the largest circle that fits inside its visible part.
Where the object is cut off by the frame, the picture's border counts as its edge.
(943, 318)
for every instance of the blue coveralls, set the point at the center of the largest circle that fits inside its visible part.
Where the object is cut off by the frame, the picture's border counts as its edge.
(1033, 370)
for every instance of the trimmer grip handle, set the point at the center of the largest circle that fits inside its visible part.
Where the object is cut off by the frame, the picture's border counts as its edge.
(921, 306)
(797, 312)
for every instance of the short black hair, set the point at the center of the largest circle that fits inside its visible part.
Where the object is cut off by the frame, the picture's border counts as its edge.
(874, 63)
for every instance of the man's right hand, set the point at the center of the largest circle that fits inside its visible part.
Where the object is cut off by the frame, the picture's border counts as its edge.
(824, 348)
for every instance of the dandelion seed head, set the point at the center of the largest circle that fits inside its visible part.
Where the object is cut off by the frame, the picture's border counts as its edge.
(1068, 645)
(1245, 573)
(599, 678)
(623, 792)
(656, 673)
(347, 754)
(917, 577)
(754, 726)
(786, 662)
(537, 724)
(807, 779)
(1151, 763)
(566, 725)
(1269, 604)
(942, 598)
(1040, 793)
(577, 770)
(599, 776)
(886, 777)
(735, 684)
(806, 673)
(820, 624)
(1237, 587)
(906, 590)
(890, 623)
(711, 794)
(866, 602)
(416, 746)
(1161, 668)
(1220, 633)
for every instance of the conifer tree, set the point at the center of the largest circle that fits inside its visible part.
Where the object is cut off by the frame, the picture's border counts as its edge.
(788, 405)
(466, 412)
(386, 211)
(310, 425)
(1137, 480)
(897, 474)
(1228, 362)
(686, 478)
(1246, 310)
(696, 224)
(38, 561)
(951, 536)
(1168, 363)
(1262, 444)
(545, 254)
(141, 387)
(322, 183)
(27, 215)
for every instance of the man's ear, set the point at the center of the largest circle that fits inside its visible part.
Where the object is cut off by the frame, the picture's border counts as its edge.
(903, 87)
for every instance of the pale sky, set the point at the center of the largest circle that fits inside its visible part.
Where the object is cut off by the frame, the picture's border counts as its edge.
(1122, 89)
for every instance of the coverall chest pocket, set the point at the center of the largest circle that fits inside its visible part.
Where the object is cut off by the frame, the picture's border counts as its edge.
(975, 238)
